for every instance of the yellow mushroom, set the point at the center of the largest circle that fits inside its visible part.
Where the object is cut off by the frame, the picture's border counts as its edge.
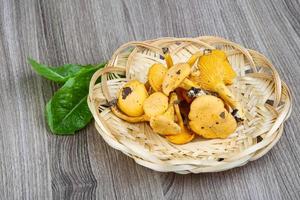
(215, 72)
(229, 74)
(164, 124)
(176, 78)
(176, 75)
(155, 104)
(185, 135)
(156, 76)
(194, 58)
(210, 119)
(131, 98)
(172, 78)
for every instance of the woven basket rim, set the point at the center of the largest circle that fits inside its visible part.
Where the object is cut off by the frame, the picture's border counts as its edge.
(251, 153)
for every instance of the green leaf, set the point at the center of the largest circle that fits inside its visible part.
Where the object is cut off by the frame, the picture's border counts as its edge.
(58, 74)
(67, 111)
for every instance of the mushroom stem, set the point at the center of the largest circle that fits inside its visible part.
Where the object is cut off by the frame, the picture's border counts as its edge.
(191, 61)
(168, 57)
(228, 97)
(179, 117)
(188, 84)
(169, 60)
(184, 136)
(170, 111)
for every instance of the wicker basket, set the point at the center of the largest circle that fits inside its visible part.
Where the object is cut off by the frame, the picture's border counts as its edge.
(265, 98)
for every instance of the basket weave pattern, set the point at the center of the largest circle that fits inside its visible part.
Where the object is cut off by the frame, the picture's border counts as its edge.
(264, 97)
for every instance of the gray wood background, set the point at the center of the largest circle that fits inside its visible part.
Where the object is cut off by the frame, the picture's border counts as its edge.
(37, 165)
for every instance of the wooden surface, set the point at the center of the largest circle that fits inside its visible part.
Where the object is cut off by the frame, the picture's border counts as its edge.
(37, 165)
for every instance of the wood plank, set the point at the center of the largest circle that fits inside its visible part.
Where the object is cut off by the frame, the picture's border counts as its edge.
(25, 163)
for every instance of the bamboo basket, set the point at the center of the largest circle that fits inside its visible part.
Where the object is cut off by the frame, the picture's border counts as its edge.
(265, 97)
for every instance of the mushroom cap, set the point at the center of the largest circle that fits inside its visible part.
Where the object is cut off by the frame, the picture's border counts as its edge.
(156, 76)
(214, 68)
(163, 125)
(211, 72)
(183, 137)
(229, 74)
(219, 53)
(175, 75)
(155, 104)
(131, 98)
(210, 119)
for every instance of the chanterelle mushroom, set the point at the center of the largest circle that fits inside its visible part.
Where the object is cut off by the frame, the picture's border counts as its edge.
(185, 135)
(164, 124)
(155, 104)
(169, 78)
(229, 74)
(215, 72)
(131, 98)
(160, 78)
(156, 76)
(175, 76)
(210, 119)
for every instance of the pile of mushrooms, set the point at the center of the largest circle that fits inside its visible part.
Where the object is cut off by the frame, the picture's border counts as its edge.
(179, 102)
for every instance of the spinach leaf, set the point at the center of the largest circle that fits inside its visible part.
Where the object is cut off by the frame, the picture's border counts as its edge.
(58, 74)
(67, 111)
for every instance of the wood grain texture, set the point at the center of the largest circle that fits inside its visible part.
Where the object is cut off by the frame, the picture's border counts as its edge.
(37, 165)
